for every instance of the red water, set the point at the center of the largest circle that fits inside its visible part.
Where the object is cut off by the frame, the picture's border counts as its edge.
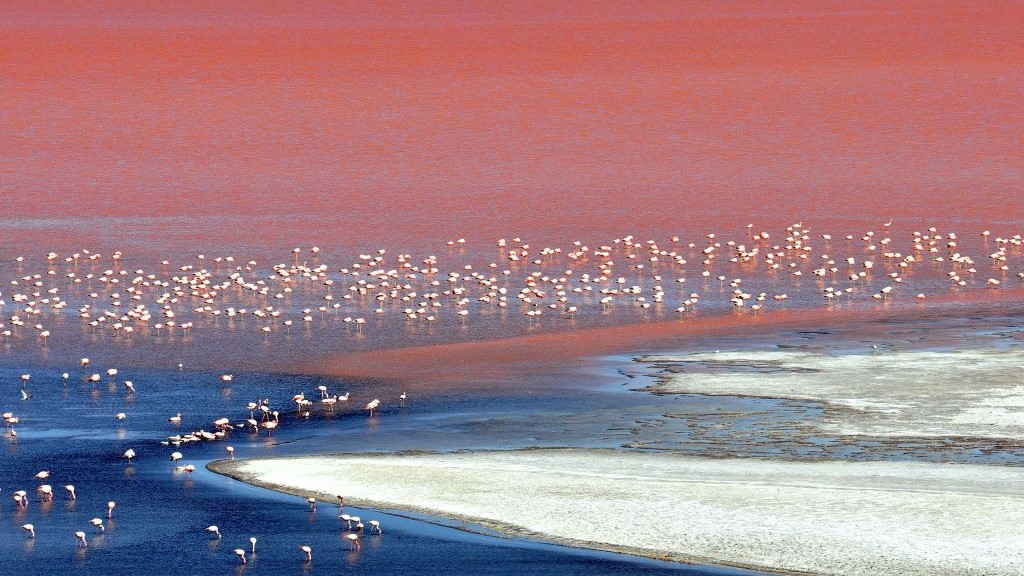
(261, 125)
(484, 119)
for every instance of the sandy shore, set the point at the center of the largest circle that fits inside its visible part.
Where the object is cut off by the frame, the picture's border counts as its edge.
(793, 517)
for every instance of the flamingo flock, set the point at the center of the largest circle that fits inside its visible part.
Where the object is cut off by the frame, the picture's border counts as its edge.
(45, 494)
(221, 428)
(751, 271)
(353, 532)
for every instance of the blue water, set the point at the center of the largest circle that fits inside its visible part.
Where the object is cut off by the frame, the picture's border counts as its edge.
(68, 428)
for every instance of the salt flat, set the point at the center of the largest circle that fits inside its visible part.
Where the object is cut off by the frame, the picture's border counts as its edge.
(977, 393)
(819, 517)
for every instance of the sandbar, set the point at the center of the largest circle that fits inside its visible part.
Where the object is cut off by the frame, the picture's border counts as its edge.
(828, 517)
(556, 355)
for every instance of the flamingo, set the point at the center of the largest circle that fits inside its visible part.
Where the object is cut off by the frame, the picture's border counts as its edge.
(375, 527)
(308, 551)
(81, 538)
(353, 541)
(372, 405)
(271, 424)
(30, 529)
(175, 456)
(214, 530)
(98, 523)
(129, 454)
(71, 491)
(110, 508)
(175, 419)
(241, 554)
(401, 400)
(312, 503)
(252, 540)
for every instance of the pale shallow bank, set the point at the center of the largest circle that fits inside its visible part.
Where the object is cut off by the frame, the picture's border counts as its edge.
(972, 393)
(792, 517)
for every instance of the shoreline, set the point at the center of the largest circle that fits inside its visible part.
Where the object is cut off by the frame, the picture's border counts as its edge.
(740, 507)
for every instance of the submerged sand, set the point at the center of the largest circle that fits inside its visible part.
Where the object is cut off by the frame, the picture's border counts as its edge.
(818, 517)
(966, 393)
